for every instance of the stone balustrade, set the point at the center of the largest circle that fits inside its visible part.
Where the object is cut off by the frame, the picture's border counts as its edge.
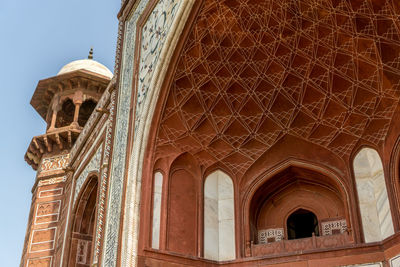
(301, 245)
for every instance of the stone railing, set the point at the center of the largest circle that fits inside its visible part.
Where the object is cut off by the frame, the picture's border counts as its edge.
(301, 245)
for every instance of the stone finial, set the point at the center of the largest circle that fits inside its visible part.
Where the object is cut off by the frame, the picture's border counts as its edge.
(90, 56)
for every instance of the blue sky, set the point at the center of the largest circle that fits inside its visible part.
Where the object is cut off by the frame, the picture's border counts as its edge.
(36, 39)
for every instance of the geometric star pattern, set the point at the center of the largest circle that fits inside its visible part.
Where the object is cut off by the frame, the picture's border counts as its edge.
(251, 72)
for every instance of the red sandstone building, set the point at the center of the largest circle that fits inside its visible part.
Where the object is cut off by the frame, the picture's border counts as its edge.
(232, 133)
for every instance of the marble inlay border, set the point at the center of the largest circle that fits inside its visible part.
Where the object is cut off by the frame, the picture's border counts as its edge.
(144, 115)
(109, 253)
(93, 165)
(103, 183)
(54, 163)
(51, 181)
(161, 28)
(154, 35)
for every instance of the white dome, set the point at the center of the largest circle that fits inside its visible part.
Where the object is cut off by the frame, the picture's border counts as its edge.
(86, 64)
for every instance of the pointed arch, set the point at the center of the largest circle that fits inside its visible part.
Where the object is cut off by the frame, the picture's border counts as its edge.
(83, 224)
(182, 211)
(291, 185)
(219, 217)
(376, 217)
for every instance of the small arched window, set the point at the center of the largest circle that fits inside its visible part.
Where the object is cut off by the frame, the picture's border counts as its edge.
(301, 224)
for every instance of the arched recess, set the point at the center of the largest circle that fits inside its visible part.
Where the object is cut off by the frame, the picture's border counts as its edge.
(292, 188)
(219, 217)
(156, 218)
(373, 199)
(65, 116)
(182, 217)
(83, 225)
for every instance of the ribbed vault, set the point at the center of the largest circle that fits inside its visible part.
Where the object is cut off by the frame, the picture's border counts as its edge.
(252, 71)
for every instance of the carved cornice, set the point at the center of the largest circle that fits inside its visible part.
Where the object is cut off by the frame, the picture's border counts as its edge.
(51, 142)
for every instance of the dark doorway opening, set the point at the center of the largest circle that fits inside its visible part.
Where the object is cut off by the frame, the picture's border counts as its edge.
(301, 224)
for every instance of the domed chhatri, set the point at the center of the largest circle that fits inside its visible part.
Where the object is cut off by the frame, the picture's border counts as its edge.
(86, 64)
(65, 102)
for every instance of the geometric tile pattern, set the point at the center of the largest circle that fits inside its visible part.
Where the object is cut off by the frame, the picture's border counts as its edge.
(251, 72)
(270, 235)
(334, 227)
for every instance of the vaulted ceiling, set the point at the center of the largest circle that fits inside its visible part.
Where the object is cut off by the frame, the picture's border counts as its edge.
(253, 72)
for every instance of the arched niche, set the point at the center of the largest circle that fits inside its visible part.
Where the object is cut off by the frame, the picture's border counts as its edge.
(182, 214)
(65, 116)
(292, 189)
(373, 199)
(156, 218)
(85, 111)
(83, 225)
(219, 217)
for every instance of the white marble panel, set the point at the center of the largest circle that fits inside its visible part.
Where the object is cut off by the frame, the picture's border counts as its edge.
(383, 206)
(226, 240)
(365, 189)
(395, 262)
(219, 225)
(225, 209)
(211, 240)
(372, 194)
(158, 181)
(157, 195)
(225, 186)
(370, 223)
(211, 218)
(211, 186)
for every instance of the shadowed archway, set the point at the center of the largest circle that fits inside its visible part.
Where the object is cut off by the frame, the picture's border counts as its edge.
(83, 224)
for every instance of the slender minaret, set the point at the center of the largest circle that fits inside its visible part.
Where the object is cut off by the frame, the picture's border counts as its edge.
(65, 102)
